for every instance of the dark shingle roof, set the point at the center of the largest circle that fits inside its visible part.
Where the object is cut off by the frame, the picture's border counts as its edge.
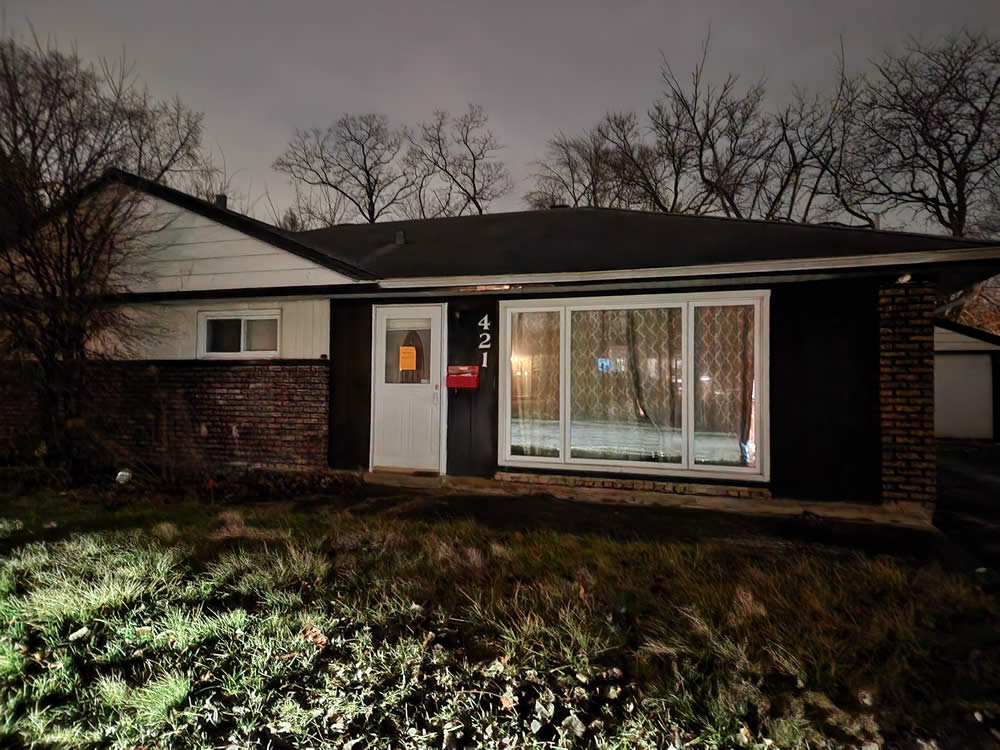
(589, 239)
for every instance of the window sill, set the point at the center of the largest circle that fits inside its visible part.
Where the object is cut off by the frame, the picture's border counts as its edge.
(240, 355)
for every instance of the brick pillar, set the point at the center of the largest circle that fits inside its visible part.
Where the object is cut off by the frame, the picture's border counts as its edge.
(906, 392)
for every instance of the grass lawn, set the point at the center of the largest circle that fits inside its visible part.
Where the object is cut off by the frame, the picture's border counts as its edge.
(185, 625)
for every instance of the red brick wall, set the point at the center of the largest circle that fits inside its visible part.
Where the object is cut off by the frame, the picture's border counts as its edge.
(17, 411)
(624, 483)
(205, 416)
(906, 392)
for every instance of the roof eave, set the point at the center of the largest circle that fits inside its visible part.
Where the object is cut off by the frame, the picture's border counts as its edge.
(969, 331)
(845, 263)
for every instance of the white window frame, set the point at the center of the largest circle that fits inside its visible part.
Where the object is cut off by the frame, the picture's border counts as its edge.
(243, 316)
(687, 303)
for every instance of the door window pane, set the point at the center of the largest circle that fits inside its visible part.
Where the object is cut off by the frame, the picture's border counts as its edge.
(534, 384)
(262, 335)
(224, 334)
(625, 385)
(408, 350)
(724, 387)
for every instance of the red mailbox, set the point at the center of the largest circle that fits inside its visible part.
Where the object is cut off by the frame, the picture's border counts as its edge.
(463, 376)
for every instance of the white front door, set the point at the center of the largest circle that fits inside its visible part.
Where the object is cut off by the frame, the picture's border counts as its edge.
(406, 415)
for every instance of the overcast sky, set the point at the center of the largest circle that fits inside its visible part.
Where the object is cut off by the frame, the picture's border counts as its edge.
(258, 70)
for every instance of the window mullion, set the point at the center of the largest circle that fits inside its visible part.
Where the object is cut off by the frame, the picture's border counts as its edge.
(564, 383)
(506, 369)
(689, 390)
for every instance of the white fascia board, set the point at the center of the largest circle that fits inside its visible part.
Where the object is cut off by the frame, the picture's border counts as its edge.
(717, 269)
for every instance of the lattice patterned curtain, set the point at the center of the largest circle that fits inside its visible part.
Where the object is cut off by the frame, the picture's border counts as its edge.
(625, 384)
(534, 384)
(724, 376)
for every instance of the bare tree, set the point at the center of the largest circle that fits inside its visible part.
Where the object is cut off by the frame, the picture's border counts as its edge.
(569, 174)
(311, 209)
(705, 148)
(981, 308)
(735, 144)
(463, 153)
(208, 179)
(580, 171)
(927, 134)
(432, 195)
(69, 238)
(652, 173)
(986, 223)
(359, 157)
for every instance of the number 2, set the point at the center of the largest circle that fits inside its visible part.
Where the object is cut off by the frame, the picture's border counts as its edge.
(484, 340)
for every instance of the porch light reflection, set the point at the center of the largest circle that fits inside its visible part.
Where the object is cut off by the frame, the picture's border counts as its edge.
(520, 365)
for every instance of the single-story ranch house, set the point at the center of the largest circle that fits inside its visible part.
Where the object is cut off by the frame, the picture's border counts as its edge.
(574, 345)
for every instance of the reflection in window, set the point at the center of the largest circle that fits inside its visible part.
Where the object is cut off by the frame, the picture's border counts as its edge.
(224, 335)
(625, 385)
(262, 335)
(534, 384)
(724, 385)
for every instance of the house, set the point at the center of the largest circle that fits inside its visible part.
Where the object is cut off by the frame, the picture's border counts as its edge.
(584, 346)
(966, 382)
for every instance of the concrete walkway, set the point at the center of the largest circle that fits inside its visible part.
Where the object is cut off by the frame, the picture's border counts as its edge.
(912, 516)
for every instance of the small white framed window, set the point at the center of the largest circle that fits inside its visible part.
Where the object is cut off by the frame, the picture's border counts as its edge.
(672, 384)
(239, 334)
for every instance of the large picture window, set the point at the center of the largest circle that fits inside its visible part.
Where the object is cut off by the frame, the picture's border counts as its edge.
(666, 384)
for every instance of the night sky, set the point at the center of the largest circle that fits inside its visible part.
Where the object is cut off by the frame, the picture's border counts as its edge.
(258, 70)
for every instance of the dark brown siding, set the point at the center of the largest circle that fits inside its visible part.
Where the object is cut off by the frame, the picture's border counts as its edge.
(472, 414)
(824, 391)
(824, 356)
(350, 383)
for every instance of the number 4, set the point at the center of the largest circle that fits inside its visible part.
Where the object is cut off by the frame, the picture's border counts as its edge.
(484, 322)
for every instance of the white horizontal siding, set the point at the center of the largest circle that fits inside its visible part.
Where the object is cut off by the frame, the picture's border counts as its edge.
(189, 252)
(951, 341)
(170, 330)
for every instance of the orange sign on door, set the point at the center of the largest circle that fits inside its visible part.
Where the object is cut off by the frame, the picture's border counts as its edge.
(407, 358)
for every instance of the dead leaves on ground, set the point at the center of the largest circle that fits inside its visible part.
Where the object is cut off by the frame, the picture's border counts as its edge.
(315, 636)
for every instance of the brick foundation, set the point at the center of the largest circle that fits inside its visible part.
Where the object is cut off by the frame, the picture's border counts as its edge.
(196, 415)
(642, 485)
(906, 392)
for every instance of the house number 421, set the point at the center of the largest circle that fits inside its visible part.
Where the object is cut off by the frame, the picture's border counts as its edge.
(485, 337)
